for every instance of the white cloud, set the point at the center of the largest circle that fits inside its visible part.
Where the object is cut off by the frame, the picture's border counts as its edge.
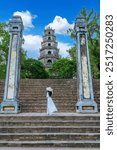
(32, 44)
(63, 48)
(27, 18)
(60, 25)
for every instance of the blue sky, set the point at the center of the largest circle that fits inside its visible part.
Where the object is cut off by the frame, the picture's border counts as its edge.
(36, 14)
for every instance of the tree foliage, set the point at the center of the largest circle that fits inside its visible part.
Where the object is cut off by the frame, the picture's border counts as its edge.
(33, 69)
(63, 68)
(94, 51)
(2, 71)
(92, 20)
(93, 26)
(4, 38)
(72, 52)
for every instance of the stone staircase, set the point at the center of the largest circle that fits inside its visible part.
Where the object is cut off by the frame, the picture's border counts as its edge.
(34, 128)
(58, 130)
(33, 94)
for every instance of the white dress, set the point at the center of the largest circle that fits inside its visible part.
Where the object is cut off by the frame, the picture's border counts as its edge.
(51, 108)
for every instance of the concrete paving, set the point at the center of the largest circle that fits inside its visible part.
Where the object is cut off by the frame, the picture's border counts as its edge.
(59, 148)
(54, 114)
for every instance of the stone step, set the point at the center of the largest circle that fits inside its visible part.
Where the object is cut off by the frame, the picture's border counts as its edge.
(43, 90)
(33, 88)
(49, 136)
(50, 123)
(50, 129)
(60, 109)
(56, 85)
(34, 110)
(44, 102)
(51, 143)
(54, 97)
(39, 106)
(43, 97)
(44, 110)
(39, 90)
(68, 107)
(41, 82)
(44, 117)
(55, 88)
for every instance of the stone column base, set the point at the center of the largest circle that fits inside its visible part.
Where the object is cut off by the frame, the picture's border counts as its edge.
(10, 106)
(86, 106)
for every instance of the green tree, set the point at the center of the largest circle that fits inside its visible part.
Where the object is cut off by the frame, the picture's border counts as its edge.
(63, 68)
(95, 57)
(2, 71)
(72, 52)
(32, 68)
(94, 40)
(5, 38)
(93, 26)
(92, 20)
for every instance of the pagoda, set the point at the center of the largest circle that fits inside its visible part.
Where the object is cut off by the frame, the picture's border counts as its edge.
(49, 53)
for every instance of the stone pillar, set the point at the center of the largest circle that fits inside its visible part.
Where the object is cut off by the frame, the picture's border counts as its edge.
(86, 101)
(10, 102)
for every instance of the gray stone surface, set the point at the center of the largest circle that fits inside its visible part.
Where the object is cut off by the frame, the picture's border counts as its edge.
(21, 148)
(55, 114)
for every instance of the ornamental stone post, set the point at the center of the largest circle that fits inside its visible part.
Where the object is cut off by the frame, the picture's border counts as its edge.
(11, 102)
(85, 103)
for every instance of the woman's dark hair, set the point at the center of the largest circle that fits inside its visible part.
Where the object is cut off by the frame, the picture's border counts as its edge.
(50, 93)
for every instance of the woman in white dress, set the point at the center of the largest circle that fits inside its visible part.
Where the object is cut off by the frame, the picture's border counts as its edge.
(51, 108)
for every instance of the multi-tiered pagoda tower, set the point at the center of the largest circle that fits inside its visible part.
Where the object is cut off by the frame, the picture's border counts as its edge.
(49, 53)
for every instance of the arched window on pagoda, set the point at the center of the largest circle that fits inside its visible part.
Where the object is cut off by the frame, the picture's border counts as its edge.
(49, 62)
(49, 53)
(49, 38)
(49, 44)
